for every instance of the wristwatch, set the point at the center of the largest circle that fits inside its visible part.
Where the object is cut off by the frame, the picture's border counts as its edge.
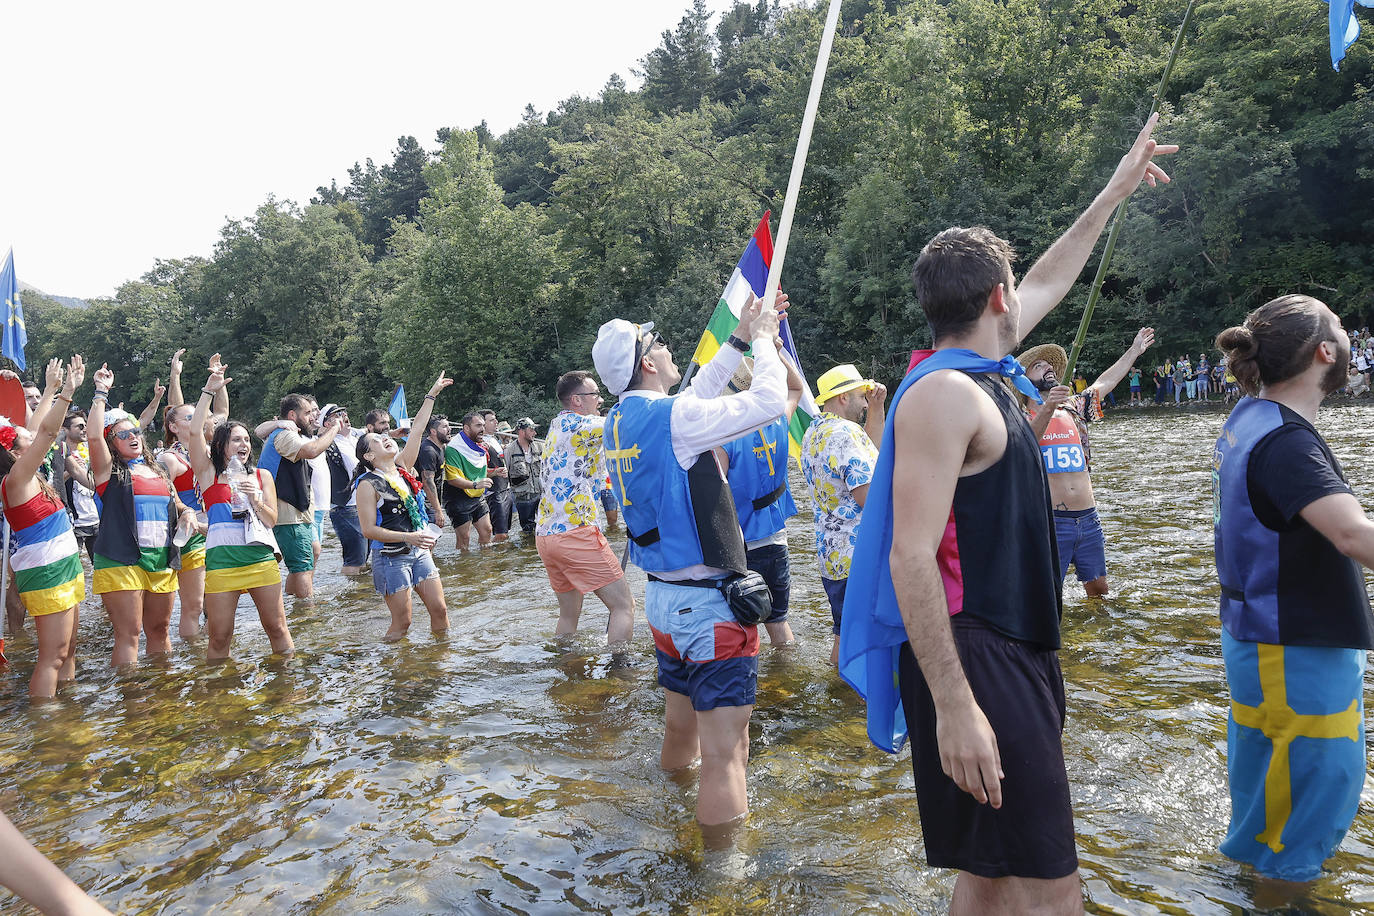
(740, 345)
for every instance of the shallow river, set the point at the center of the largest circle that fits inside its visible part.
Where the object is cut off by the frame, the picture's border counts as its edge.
(501, 770)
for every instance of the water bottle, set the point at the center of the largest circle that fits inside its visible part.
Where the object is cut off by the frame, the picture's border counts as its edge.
(234, 473)
(184, 531)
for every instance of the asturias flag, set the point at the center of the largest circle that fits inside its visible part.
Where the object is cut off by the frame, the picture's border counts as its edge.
(1345, 28)
(397, 407)
(16, 335)
(751, 276)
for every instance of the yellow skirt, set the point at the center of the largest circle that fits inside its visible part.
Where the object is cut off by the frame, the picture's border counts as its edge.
(194, 558)
(54, 600)
(242, 578)
(134, 579)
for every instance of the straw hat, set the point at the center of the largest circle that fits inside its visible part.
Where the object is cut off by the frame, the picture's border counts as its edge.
(1050, 353)
(840, 380)
(743, 377)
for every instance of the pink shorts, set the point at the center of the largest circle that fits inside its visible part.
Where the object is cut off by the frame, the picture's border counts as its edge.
(579, 560)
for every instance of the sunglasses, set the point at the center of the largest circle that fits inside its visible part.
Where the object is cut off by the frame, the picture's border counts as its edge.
(124, 435)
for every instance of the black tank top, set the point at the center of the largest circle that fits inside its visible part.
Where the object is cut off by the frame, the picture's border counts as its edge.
(1004, 527)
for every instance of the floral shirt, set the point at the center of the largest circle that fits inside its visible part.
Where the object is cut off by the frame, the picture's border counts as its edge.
(837, 457)
(573, 474)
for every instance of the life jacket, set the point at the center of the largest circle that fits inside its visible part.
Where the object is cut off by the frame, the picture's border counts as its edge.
(675, 517)
(1264, 599)
(291, 477)
(758, 480)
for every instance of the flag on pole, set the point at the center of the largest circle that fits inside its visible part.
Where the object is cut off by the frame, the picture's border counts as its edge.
(16, 335)
(397, 407)
(1344, 27)
(751, 277)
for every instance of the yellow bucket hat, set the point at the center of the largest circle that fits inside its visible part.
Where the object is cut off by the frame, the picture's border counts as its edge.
(840, 380)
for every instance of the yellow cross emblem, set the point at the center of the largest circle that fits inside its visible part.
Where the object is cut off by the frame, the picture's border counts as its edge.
(1280, 724)
(765, 450)
(622, 458)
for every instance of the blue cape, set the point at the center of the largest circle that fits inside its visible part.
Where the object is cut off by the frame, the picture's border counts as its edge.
(871, 628)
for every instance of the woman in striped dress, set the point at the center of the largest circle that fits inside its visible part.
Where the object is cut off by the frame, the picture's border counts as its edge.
(135, 558)
(46, 561)
(176, 458)
(233, 564)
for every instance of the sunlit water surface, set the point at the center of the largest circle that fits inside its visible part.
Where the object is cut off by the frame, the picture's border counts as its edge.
(501, 770)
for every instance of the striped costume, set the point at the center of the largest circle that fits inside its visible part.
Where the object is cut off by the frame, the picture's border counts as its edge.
(193, 554)
(47, 566)
(231, 563)
(152, 521)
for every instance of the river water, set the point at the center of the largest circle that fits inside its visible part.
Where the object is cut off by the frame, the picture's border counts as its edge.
(501, 770)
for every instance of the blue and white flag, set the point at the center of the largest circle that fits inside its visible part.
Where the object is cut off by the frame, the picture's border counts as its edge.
(1345, 28)
(397, 407)
(16, 335)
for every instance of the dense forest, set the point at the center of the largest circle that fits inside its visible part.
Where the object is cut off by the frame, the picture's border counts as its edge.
(497, 257)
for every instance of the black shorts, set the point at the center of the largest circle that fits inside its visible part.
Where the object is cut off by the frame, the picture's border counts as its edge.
(771, 562)
(1021, 691)
(462, 508)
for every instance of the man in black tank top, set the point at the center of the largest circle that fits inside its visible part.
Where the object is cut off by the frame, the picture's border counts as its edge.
(980, 598)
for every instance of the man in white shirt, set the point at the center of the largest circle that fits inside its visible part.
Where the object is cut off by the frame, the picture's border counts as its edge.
(680, 517)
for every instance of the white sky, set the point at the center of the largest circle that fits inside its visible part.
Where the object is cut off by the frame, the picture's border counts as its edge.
(132, 131)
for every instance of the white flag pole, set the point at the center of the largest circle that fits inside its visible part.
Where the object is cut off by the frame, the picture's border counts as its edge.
(813, 102)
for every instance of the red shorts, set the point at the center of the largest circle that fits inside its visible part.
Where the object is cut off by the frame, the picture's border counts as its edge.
(578, 560)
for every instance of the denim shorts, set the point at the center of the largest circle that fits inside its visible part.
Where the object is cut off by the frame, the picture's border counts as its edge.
(393, 574)
(1079, 533)
(771, 562)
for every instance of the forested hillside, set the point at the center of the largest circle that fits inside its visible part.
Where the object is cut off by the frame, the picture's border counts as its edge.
(498, 257)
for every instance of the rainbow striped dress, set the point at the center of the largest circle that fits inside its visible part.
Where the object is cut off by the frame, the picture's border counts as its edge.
(231, 563)
(47, 565)
(193, 554)
(152, 524)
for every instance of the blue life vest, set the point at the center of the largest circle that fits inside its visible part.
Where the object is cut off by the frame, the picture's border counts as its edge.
(1288, 586)
(291, 477)
(758, 480)
(675, 517)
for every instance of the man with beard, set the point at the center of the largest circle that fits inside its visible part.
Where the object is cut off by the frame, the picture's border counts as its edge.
(953, 592)
(837, 458)
(466, 483)
(285, 455)
(430, 464)
(500, 502)
(1061, 424)
(1290, 538)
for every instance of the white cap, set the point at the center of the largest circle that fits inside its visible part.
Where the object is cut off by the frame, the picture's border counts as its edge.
(613, 354)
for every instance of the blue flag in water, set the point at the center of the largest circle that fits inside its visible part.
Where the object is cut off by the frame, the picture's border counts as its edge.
(397, 407)
(16, 335)
(1345, 28)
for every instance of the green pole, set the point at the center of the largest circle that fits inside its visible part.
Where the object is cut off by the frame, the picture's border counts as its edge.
(1121, 213)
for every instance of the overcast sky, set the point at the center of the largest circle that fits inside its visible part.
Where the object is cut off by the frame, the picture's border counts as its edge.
(132, 131)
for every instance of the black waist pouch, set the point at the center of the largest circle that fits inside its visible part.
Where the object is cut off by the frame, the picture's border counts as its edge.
(749, 598)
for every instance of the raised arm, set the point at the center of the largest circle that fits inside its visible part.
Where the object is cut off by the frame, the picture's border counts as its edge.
(174, 398)
(220, 406)
(924, 478)
(197, 448)
(1108, 380)
(1044, 412)
(412, 450)
(95, 424)
(26, 465)
(715, 375)
(150, 411)
(34, 419)
(877, 413)
(1050, 279)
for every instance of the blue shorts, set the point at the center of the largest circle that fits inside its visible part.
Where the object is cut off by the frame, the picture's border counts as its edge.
(703, 652)
(609, 503)
(317, 526)
(1079, 533)
(770, 561)
(393, 574)
(834, 590)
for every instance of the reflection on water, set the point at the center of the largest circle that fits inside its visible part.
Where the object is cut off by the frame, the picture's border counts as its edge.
(503, 770)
